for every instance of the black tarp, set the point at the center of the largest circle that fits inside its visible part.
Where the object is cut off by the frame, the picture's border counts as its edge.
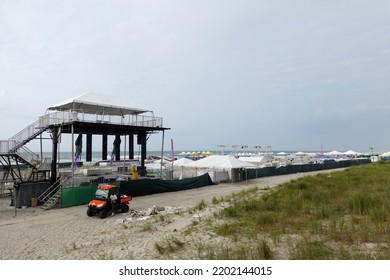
(153, 186)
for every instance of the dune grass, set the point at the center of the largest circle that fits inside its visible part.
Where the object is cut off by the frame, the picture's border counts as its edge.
(337, 215)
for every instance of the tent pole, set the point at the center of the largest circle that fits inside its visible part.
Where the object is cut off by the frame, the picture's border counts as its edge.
(162, 153)
(124, 156)
(15, 200)
(73, 162)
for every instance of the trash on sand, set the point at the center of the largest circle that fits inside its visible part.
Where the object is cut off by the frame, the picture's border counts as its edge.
(145, 214)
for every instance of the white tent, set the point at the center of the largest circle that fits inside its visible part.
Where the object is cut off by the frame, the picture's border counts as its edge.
(351, 153)
(154, 167)
(333, 153)
(221, 162)
(182, 162)
(385, 154)
(256, 160)
(158, 161)
(92, 102)
(282, 154)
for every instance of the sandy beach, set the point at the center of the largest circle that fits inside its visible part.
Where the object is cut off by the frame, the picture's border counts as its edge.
(68, 233)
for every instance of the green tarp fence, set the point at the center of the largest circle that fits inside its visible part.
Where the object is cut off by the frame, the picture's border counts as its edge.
(298, 168)
(150, 186)
(84, 194)
(77, 195)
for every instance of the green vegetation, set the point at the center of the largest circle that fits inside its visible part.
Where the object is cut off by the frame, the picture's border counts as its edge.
(338, 215)
(200, 206)
(169, 245)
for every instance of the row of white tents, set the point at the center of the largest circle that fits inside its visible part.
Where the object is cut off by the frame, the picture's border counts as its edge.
(231, 162)
(214, 161)
(227, 163)
(331, 153)
(219, 167)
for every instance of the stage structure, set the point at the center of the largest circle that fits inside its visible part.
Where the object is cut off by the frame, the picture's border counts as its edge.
(96, 114)
(88, 114)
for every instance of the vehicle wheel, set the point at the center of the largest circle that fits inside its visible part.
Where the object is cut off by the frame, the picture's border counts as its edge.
(103, 214)
(125, 208)
(90, 213)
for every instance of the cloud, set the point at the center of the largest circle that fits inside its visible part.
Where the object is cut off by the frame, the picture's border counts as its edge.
(236, 73)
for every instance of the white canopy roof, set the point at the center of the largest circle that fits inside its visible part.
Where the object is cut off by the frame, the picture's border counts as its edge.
(350, 152)
(95, 102)
(334, 152)
(218, 161)
(182, 162)
(258, 159)
(282, 154)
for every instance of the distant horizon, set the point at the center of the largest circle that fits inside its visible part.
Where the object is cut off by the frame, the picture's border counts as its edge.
(216, 151)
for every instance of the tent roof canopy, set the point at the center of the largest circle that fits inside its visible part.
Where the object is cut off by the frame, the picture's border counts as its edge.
(182, 162)
(93, 103)
(218, 161)
(351, 152)
(334, 152)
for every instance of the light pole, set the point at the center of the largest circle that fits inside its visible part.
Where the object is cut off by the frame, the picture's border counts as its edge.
(235, 150)
(257, 147)
(244, 147)
(222, 147)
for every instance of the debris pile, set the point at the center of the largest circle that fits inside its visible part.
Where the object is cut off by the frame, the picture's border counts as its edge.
(147, 214)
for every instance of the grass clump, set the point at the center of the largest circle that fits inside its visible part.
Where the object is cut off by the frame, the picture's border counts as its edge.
(169, 245)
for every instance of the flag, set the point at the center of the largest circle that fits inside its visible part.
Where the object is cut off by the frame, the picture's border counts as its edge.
(173, 153)
(79, 150)
(115, 144)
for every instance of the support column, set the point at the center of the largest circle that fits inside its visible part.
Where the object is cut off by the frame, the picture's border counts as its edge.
(89, 148)
(142, 141)
(55, 136)
(104, 147)
(131, 146)
(117, 147)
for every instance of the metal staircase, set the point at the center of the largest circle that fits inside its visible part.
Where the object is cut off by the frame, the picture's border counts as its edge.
(26, 135)
(52, 196)
(19, 140)
(52, 201)
(18, 161)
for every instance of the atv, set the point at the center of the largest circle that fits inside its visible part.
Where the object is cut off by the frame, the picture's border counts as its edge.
(108, 200)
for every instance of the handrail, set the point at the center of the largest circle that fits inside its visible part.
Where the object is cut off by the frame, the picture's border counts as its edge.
(63, 117)
(53, 188)
(24, 136)
(30, 156)
(29, 130)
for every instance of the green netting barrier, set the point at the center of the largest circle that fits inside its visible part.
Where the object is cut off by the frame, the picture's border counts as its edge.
(84, 194)
(77, 195)
(153, 186)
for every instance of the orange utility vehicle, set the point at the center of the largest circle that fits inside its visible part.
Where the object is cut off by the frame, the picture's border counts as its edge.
(108, 200)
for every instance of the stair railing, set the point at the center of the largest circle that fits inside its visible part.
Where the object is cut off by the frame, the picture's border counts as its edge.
(46, 195)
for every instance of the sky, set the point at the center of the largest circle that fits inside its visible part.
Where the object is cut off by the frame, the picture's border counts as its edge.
(294, 75)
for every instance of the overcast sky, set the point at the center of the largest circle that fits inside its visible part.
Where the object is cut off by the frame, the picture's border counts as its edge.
(296, 75)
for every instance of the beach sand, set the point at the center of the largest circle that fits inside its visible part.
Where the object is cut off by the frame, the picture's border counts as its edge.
(68, 233)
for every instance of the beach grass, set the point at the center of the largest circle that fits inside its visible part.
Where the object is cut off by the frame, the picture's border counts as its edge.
(338, 215)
